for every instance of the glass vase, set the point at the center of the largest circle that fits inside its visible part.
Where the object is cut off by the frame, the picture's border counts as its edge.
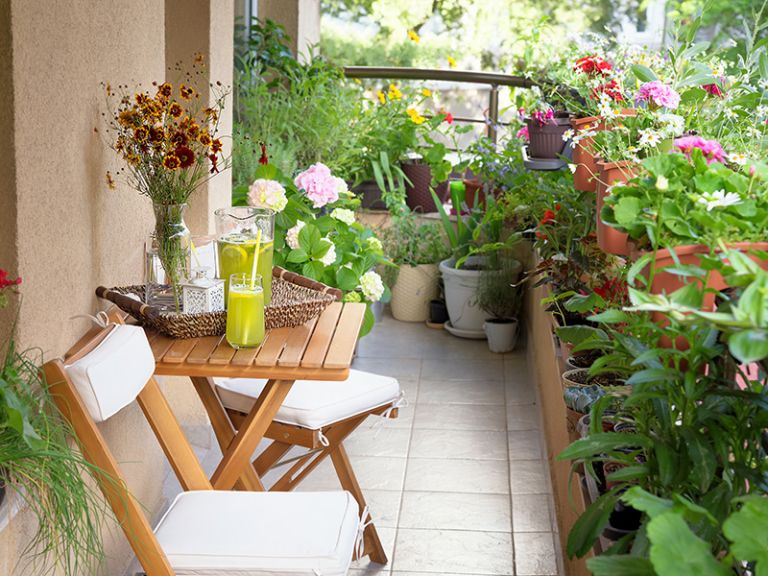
(168, 258)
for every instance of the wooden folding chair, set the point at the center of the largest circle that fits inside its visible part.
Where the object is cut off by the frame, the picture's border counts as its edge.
(204, 532)
(316, 416)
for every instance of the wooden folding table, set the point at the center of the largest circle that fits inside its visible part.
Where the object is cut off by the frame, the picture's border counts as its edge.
(322, 349)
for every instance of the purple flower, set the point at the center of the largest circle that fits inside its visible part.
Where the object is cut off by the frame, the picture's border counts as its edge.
(319, 184)
(658, 94)
(711, 149)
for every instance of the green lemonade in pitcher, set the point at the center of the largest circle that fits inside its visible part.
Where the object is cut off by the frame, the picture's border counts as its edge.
(236, 253)
(245, 315)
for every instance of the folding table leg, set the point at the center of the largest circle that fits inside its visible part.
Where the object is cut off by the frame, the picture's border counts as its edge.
(237, 457)
(373, 546)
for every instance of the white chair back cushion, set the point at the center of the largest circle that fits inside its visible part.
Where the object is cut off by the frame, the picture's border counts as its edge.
(111, 376)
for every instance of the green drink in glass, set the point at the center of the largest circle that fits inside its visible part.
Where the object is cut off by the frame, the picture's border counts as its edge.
(245, 311)
(237, 229)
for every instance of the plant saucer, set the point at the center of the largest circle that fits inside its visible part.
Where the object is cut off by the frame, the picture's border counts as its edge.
(471, 334)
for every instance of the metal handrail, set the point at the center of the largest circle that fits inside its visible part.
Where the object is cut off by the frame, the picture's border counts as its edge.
(493, 79)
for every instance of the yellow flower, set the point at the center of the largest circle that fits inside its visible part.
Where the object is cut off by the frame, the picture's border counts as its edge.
(357, 81)
(413, 36)
(451, 61)
(426, 92)
(380, 96)
(415, 117)
(394, 92)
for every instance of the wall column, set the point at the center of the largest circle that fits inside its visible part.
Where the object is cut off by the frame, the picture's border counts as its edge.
(204, 27)
(301, 19)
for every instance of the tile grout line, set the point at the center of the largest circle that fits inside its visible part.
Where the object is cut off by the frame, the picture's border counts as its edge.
(509, 478)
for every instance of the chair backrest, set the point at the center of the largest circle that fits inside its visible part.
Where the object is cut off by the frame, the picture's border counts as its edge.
(69, 398)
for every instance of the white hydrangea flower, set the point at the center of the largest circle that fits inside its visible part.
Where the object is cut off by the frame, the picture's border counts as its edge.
(292, 236)
(672, 125)
(718, 199)
(341, 186)
(662, 184)
(330, 257)
(371, 286)
(343, 215)
(267, 194)
(374, 244)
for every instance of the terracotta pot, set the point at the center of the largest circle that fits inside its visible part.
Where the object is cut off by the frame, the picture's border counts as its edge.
(585, 175)
(417, 194)
(609, 239)
(474, 186)
(546, 141)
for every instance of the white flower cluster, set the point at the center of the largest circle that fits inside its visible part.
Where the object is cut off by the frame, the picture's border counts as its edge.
(330, 256)
(292, 236)
(371, 286)
(267, 194)
(672, 125)
(718, 199)
(343, 215)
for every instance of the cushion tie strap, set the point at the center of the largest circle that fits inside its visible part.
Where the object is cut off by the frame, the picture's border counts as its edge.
(400, 402)
(365, 520)
(101, 318)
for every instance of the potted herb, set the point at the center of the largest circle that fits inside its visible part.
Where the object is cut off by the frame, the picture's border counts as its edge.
(40, 466)
(500, 297)
(475, 238)
(415, 248)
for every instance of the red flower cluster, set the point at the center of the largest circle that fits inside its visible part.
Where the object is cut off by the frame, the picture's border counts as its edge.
(593, 65)
(549, 217)
(263, 160)
(613, 290)
(611, 88)
(543, 118)
(5, 281)
(714, 89)
(448, 119)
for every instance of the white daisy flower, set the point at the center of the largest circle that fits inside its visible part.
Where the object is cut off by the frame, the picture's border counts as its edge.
(568, 135)
(739, 159)
(649, 138)
(718, 199)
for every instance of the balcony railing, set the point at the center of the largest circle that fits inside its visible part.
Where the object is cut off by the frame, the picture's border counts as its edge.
(492, 79)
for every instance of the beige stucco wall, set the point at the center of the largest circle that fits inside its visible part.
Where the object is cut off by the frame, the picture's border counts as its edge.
(301, 19)
(61, 228)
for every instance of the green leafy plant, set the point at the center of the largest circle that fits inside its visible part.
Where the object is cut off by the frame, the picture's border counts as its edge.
(498, 293)
(42, 468)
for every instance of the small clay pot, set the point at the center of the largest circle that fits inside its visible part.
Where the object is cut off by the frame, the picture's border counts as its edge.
(609, 239)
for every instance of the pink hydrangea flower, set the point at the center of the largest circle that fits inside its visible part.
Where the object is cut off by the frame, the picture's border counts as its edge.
(711, 149)
(658, 94)
(523, 133)
(319, 185)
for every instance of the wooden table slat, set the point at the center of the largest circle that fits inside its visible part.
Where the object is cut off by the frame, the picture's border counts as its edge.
(245, 356)
(273, 346)
(321, 337)
(179, 350)
(160, 346)
(296, 344)
(203, 349)
(343, 344)
(223, 353)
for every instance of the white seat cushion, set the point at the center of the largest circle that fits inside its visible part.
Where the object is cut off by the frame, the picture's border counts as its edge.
(218, 533)
(313, 404)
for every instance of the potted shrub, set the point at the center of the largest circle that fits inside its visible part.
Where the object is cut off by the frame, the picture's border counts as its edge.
(475, 239)
(498, 296)
(415, 248)
(40, 466)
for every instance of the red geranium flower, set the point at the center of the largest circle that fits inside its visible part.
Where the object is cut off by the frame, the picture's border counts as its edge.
(611, 88)
(5, 281)
(548, 218)
(448, 117)
(593, 65)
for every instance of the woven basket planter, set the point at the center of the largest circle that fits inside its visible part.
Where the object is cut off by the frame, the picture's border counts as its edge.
(417, 192)
(411, 294)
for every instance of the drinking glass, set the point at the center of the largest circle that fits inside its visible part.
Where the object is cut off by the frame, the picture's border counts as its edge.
(245, 311)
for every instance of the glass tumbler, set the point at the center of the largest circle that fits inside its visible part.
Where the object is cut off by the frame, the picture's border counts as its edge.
(245, 311)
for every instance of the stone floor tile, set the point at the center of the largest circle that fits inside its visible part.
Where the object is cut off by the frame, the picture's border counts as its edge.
(528, 477)
(450, 368)
(461, 444)
(456, 511)
(379, 440)
(434, 475)
(460, 417)
(451, 550)
(522, 417)
(405, 369)
(535, 554)
(531, 513)
(461, 392)
(525, 445)
(387, 537)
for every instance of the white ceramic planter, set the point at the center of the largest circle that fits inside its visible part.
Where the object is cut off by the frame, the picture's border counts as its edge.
(502, 336)
(414, 288)
(461, 295)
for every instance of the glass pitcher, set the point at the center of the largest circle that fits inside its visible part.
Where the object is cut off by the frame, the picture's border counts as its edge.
(236, 237)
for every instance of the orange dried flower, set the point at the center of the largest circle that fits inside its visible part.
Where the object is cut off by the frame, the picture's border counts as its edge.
(156, 134)
(211, 114)
(193, 129)
(141, 134)
(127, 118)
(171, 162)
(165, 90)
(205, 138)
(216, 146)
(175, 110)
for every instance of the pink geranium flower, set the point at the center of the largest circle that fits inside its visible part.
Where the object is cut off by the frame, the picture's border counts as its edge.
(523, 133)
(658, 94)
(711, 149)
(320, 186)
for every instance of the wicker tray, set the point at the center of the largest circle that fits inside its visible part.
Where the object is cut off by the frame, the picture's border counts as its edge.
(295, 301)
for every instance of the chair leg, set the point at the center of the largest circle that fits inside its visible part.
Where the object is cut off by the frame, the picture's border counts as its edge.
(373, 547)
